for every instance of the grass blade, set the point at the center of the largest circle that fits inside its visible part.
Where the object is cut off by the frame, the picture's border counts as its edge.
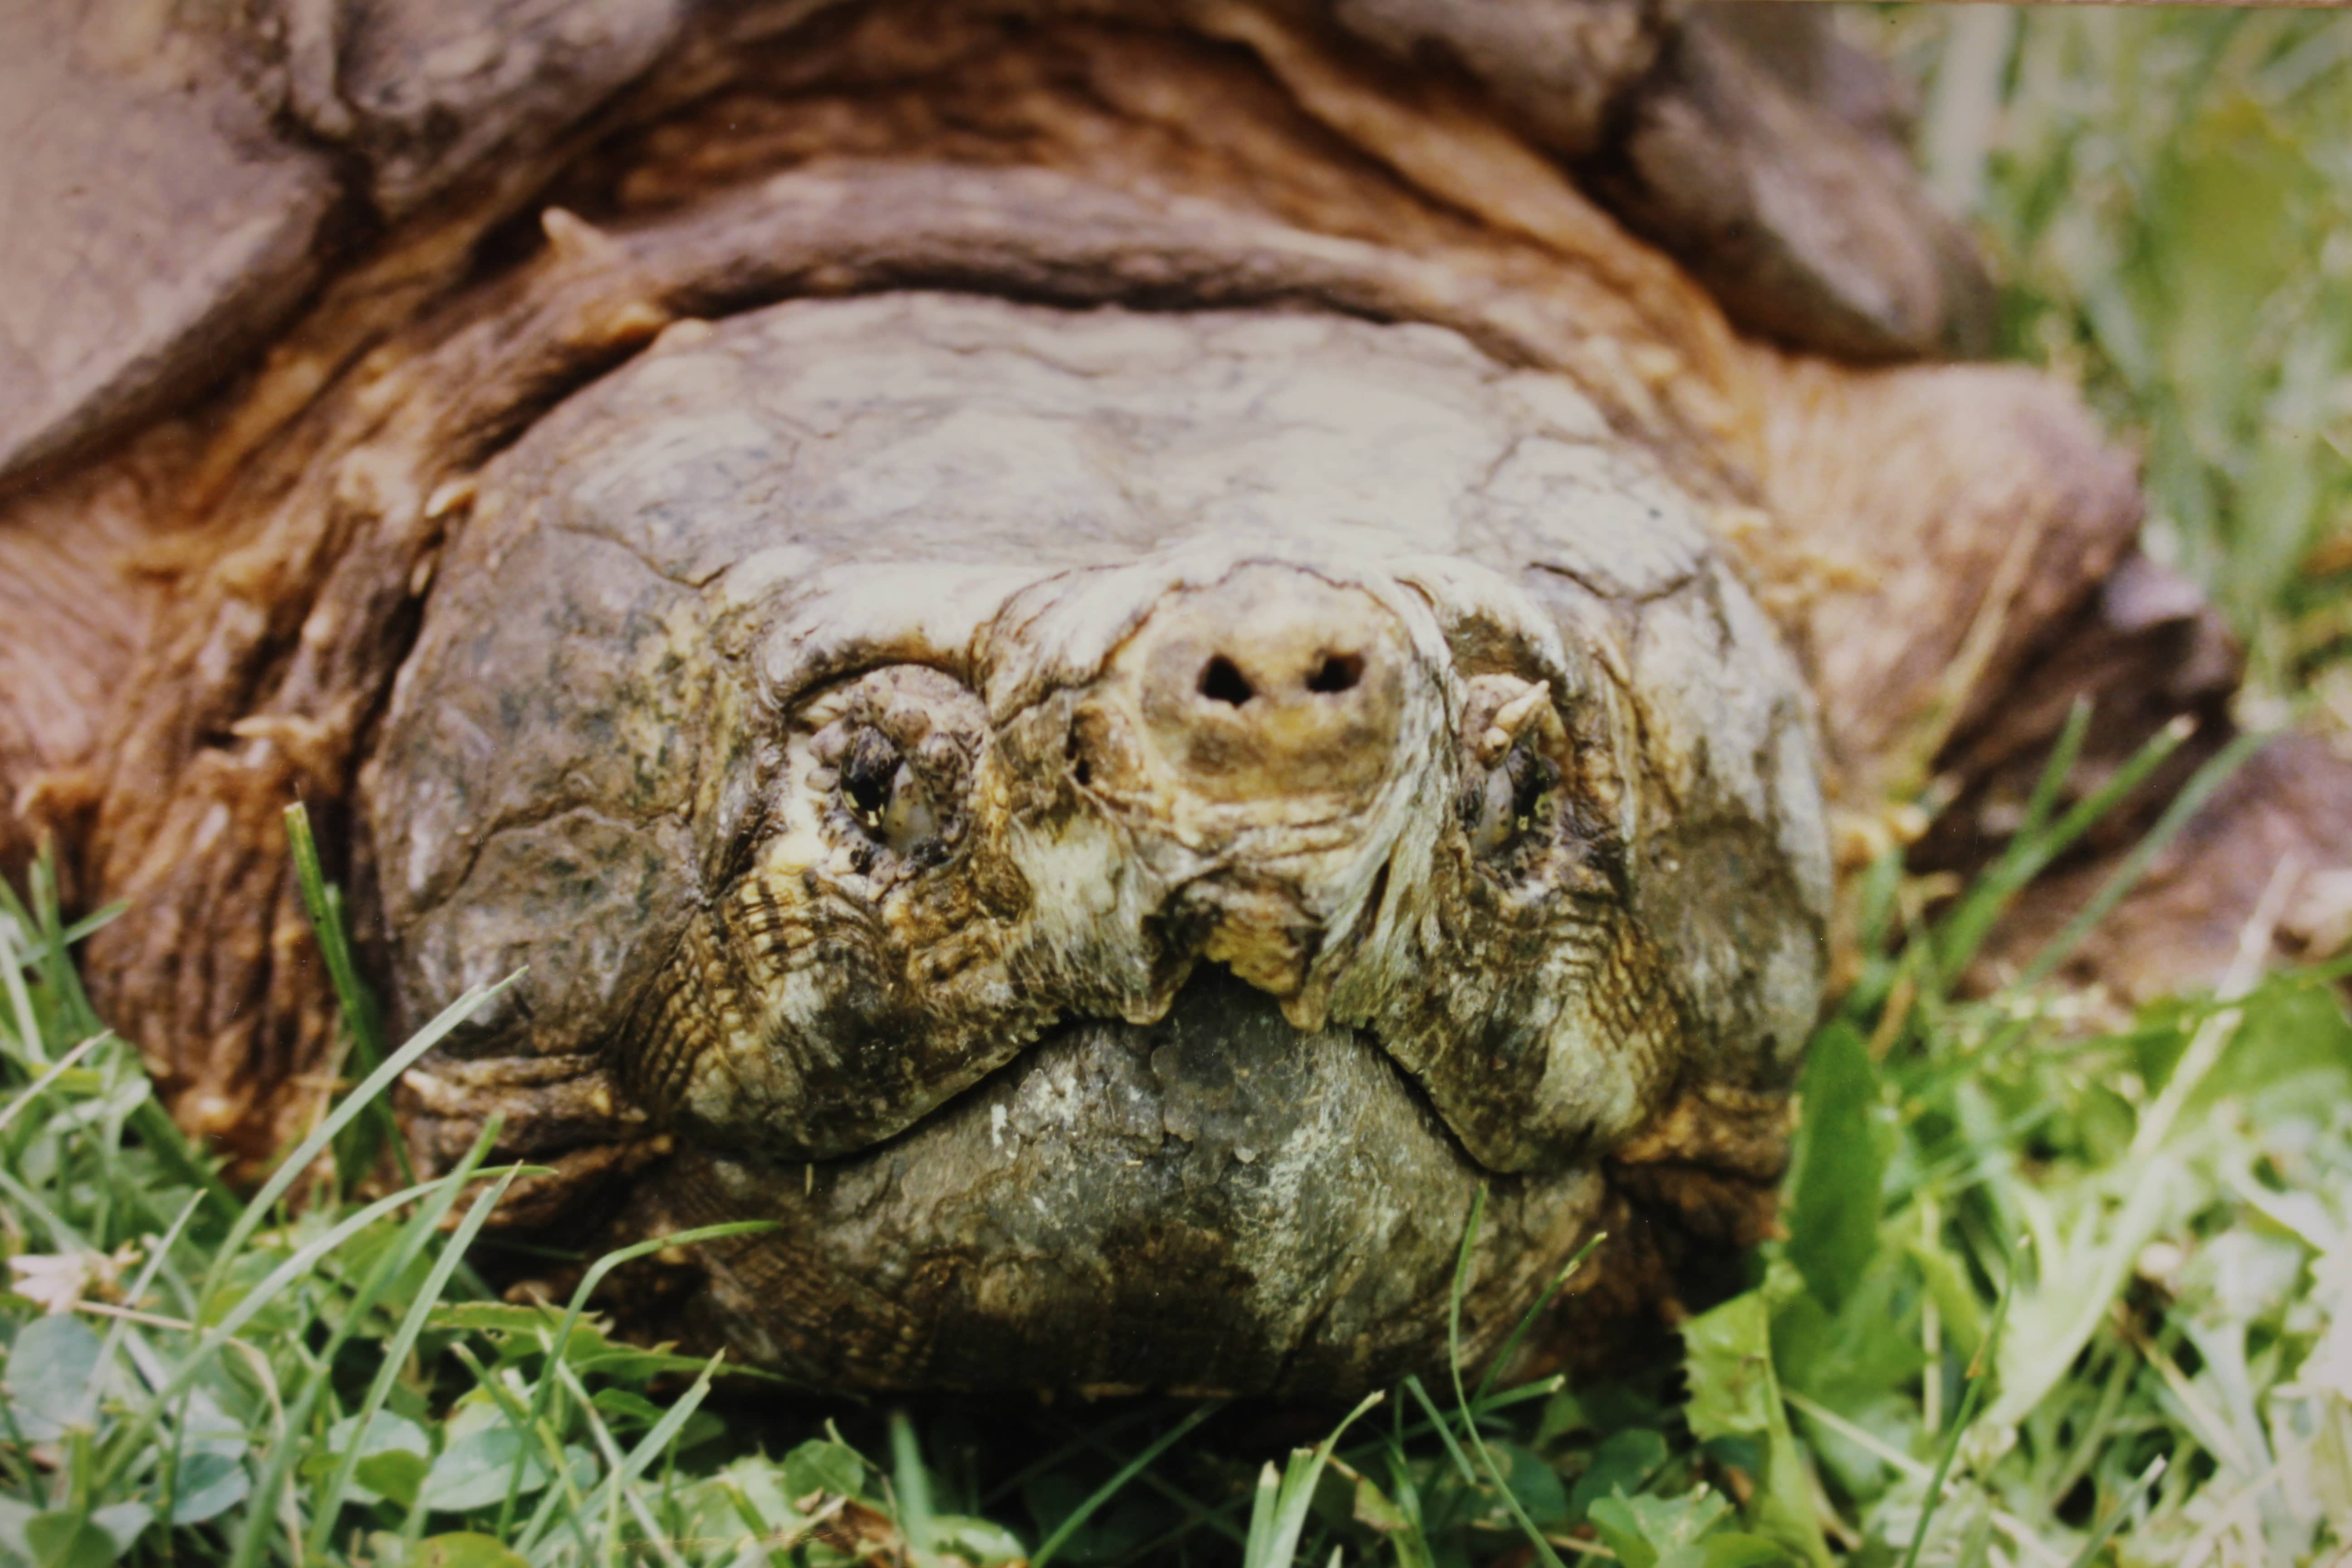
(910, 1485)
(543, 1400)
(290, 1169)
(1278, 1512)
(125, 1445)
(618, 1486)
(421, 1227)
(1110, 1489)
(1097, 1438)
(1979, 1375)
(50, 1074)
(362, 1022)
(2115, 1520)
(45, 920)
(1963, 934)
(2202, 786)
(412, 1323)
(1502, 1358)
(1543, 1550)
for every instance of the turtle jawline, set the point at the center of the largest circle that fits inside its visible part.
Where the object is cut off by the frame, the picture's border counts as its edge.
(1209, 978)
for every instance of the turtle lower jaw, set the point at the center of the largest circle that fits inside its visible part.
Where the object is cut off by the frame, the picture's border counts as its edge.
(1213, 1201)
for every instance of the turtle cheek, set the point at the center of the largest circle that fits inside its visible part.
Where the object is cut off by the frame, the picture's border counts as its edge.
(1540, 1028)
(1519, 988)
(805, 1020)
(851, 971)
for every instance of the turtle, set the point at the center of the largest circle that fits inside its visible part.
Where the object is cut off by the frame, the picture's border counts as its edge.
(1112, 660)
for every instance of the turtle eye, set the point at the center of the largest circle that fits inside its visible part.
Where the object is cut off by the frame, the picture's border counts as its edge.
(1510, 800)
(886, 762)
(890, 800)
(871, 776)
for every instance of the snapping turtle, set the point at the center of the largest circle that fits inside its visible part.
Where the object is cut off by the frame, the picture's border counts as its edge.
(1100, 654)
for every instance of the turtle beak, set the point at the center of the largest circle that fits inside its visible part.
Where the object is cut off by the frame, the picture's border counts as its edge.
(1271, 721)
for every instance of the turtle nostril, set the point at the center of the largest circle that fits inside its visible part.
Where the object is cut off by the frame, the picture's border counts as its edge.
(1337, 672)
(1272, 683)
(1220, 681)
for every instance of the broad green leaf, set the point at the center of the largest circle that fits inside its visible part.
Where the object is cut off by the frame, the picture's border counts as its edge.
(2292, 1054)
(1863, 1362)
(66, 1538)
(1535, 1484)
(1600, 1407)
(976, 1541)
(15, 1515)
(1836, 1169)
(757, 1491)
(387, 1434)
(51, 1382)
(1624, 1462)
(1373, 1508)
(1642, 1530)
(211, 1447)
(475, 1469)
(465, 1549)
(392, 1475)
(207, 1485)
(1847, 1358)
(124, 1522)
(69, 1538)
(1727, 1549)
(1735, 1393)
(819, 1466)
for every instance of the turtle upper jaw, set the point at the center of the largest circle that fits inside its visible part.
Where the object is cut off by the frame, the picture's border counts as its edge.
(1263, 742)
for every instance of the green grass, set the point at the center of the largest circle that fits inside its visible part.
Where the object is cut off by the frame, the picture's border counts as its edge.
(2056, 1286)
(2167, 197)
(2048, 1290)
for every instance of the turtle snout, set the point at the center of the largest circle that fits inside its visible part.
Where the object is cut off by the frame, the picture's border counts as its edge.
(1273, 683)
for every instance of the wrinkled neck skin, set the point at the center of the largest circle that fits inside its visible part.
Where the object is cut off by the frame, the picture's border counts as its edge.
(1030, 801)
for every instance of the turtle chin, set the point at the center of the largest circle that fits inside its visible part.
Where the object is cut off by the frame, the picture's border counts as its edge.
(1213, 1202)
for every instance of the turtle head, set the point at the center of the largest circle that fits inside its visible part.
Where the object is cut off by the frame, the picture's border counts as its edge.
(1057, 810)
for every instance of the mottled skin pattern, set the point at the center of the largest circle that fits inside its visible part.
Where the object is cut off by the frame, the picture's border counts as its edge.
(1109, 827)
